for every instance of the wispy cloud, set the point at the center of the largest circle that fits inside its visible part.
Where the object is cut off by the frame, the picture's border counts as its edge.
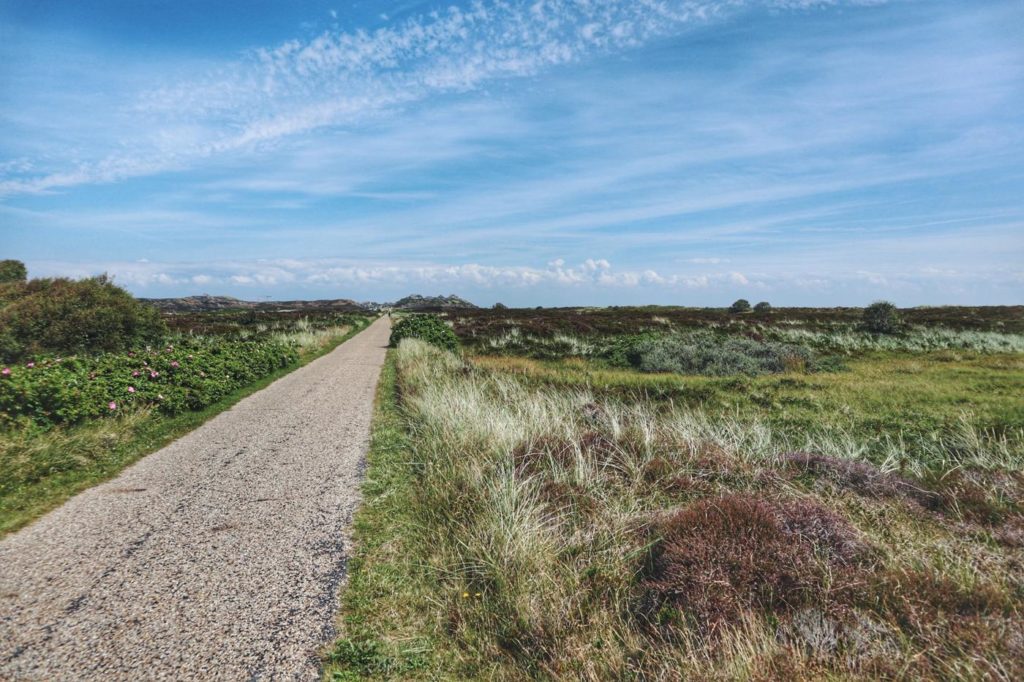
(344, 77)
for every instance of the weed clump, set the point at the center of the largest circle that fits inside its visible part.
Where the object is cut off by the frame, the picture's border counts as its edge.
(718, 559)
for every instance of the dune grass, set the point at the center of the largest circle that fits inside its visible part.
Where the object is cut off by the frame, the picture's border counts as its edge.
(42, 468)
(530, 521)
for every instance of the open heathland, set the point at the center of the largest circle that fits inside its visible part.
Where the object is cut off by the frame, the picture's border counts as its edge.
(555, 509)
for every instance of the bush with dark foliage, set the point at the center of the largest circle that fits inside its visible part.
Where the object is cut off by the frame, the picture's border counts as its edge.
(12, 271)
(67, 316)
(763, 307)
(881, 317)
(429, 328)
(740, 306)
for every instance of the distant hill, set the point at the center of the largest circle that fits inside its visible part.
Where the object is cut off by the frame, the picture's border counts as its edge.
(417, 302)
(205, 304)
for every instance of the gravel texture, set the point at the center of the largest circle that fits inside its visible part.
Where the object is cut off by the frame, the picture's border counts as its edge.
(218, 557)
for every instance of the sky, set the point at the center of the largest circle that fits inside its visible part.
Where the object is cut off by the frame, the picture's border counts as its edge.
(551, 152)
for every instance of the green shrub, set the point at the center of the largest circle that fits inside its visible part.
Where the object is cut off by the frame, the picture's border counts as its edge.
(707, 354)
(67, 316)
(12, 271)
(763, 307)
(188, 375)
(881, 317)
(740, 306)
(429, 328)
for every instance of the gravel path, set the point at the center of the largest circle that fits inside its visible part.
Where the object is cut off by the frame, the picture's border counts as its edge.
(218, 557)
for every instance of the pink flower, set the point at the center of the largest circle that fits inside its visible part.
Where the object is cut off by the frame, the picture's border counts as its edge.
(131, 389)
(174, 363)
(135, 373)
(6, 371)
(112, 405)
(154, 375)
(31, 365)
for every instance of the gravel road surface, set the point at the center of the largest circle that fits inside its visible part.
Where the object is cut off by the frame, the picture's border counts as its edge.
(218, 557)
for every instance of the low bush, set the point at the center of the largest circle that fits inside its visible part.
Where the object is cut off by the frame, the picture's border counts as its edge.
(740, 306)
(68, 316)
(429, 328)
(763, 307)
(709, 355)
(12, 271)
(881, 317)
(173, 379)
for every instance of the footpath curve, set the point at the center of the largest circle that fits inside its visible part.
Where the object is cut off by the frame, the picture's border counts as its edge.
(217, 557)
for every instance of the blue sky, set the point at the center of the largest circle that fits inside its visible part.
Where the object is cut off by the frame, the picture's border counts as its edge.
(537, 153)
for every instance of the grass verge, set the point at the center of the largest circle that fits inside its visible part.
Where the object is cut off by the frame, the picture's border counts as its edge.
(384, 569)
(40, 470)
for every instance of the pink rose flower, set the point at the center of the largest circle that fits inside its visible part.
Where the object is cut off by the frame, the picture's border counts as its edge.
(174, 363)
(112, 405)
(31, 365)
(131, 389)
(135, 373)
(154, 375)
(6, 371)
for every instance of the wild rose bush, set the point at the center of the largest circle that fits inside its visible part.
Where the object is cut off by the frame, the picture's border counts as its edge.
(183, 376)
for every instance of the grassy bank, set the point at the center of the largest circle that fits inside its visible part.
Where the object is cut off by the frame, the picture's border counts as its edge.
(523, 522)
(41, 468)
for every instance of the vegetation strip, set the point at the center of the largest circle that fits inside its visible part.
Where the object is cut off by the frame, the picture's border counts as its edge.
(388, 596)
(40, 469)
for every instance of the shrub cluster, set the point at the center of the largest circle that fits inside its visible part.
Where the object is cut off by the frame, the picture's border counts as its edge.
(68, 316)
(185, 376)
(714, 356)
(429, 328)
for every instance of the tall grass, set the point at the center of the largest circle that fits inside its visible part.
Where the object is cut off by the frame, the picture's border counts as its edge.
(540, 513)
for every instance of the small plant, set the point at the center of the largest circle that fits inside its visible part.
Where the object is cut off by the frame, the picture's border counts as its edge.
(763, 307)
(499, 306)
(881, 317)
(740, 306)
(429, 328)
